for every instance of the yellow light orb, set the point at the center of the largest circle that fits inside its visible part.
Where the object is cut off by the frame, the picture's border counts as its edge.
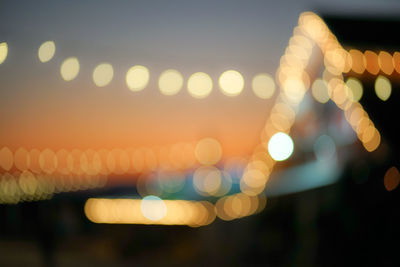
(208, 151)
(280, 146)
(170, 82)
(356, 88)
(28, 183)
(3, 51)
(103, 74)
(137, 78)
(69, 69)
(263, 85)
(383, 88)
(153, 208)
(46, 51)
(231, 83)
(199, 85)
(319, 91)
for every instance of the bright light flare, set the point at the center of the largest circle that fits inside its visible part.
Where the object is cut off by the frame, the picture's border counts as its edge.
(280, 146)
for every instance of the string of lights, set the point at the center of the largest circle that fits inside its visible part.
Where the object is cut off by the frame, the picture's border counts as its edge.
(293, 79)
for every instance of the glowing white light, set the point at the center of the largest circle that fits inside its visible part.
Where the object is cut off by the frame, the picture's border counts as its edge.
(231, 83)
(153, 208)
(280, 146)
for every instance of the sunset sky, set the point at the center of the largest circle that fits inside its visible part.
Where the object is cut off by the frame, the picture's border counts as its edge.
(40, 110)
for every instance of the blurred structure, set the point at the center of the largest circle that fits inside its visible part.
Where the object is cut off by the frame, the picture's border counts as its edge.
(333, 101)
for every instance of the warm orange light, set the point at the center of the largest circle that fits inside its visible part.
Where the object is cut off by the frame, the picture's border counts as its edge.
(208, 151)
(21, 159)
(372, 65)
(385, 61)
(396, 61)
(358, 61)
(391, 179)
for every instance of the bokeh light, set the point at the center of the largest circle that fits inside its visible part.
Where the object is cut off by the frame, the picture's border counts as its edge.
(372, 64)
(208, 151)
(69, 68)
(358, 61)
(48, 161)
(199, 85)
(319, 91)
(3, 51)
(21, 159)
(46, 51)
(231, 83)
(396, 61)
(383, 88)
(6, 159)
(391, 179)
(129, 211)
(103, 74)
(385, 61)
(263, 85)
(153, 208)
(356, 88)
(137, 78)
(280, 146)
(207, 180)
(170, 82)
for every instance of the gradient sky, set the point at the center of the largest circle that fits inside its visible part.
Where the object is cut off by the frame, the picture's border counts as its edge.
(38, 109)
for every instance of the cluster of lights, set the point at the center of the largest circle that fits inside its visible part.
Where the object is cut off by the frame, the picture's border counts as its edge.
(166, 163)
(276, 144)
(150, 210)
(345, 95)
(116, 161)
(26, 186)
(170, 82)
(239, 205)
(373, 63)
(154, 210)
